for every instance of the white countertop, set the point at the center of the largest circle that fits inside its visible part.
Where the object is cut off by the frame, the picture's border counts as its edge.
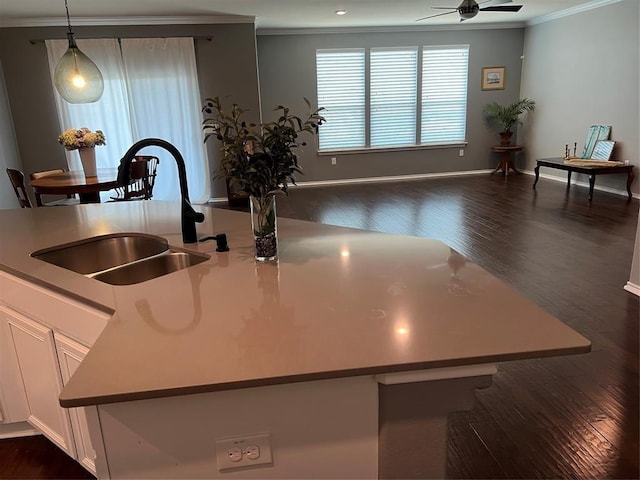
(340, 302)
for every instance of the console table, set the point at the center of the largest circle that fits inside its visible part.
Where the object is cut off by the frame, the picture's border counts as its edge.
(506, 161)
(592, 171)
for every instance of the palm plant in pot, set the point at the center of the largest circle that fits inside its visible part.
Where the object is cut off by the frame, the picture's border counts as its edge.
(507, 117)
(260, 160)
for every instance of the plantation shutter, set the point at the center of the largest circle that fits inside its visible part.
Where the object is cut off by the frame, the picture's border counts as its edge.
(394, 83)
(444, 94)
(341, 91)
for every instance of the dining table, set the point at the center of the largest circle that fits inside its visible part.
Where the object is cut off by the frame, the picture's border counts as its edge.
(75, 182)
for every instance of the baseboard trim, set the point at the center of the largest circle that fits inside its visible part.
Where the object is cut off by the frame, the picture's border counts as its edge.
(582, 184)
(633, 288)
(389, 178)
(17, 429)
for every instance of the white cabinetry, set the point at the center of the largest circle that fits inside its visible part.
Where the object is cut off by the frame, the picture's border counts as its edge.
(38, 361)
(44, 337)
(70, 354)
(13, 401)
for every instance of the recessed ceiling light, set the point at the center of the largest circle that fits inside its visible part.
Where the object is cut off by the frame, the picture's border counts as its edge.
(341, 12)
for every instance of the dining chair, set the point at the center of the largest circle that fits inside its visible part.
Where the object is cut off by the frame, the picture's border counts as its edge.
(17, 181)
(70, 200)
(143, 176)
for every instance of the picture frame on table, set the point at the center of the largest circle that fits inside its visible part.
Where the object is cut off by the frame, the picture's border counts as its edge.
(493, 78)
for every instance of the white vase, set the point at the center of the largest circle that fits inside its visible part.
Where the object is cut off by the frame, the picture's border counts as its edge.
(88, 159)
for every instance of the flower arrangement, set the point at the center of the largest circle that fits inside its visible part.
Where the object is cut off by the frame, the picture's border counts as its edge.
(74, 139)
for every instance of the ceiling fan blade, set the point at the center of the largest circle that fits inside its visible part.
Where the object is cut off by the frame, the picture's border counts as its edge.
(495, 2)
(504, 8)
(436, 15)
(445, 8)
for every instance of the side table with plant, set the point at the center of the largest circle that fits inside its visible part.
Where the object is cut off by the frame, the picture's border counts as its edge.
(506, 117)
(261, 160)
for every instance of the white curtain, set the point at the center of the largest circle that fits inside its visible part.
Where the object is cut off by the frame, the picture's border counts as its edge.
(165, 103)
(151, 90)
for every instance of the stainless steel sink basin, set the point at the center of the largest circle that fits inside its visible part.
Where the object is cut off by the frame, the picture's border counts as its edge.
(101, 253)
(143, 270)
(120, 258)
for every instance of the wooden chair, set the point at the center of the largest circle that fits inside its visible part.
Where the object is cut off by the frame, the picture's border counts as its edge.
(143, 177)
(17, 180)
(70, 200)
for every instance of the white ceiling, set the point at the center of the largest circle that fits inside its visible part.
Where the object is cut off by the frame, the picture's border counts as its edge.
(273, 14)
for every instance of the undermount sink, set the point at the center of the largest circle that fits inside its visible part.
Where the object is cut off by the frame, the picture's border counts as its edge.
(153, 267)
(121, 258)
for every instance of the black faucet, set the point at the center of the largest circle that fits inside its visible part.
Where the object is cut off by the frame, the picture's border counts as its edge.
(189, 215)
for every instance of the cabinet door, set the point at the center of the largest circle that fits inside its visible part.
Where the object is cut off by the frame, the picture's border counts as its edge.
(13, 402)
(70, 354)
(36, 353)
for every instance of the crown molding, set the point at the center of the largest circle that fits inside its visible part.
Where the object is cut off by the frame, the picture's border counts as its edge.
(571, 11)
(387, 29)
(101, 21)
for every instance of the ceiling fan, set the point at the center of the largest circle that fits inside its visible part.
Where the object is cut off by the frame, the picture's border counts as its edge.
(470, 8)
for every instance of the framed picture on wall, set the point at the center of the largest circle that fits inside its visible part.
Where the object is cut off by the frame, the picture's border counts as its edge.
(493, 78)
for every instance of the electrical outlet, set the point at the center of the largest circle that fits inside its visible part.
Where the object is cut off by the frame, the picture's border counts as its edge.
(461, 152)
(253, 452)
(243, 452)
(334, 160)
(235, 454)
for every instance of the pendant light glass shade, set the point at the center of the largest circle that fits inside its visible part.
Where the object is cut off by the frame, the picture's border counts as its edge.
(77, 78)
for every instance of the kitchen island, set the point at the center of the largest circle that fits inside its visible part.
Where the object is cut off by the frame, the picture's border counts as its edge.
(340, 352)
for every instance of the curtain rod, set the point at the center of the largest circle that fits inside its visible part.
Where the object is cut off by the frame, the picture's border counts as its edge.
(207, 38)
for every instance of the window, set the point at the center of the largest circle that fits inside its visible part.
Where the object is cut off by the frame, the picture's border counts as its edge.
(341, 82)
(392, 97)
(394, 76)
(444, 94)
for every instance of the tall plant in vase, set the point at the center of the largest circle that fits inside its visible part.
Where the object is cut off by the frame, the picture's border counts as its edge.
(261, 160)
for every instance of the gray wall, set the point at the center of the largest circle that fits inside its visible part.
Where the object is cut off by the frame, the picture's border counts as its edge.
(227, 67)
(583, 70)
(287, 74)
(8, 149)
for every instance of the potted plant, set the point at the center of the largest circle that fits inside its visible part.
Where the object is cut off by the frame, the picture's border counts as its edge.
(507, 117)
(261, 160)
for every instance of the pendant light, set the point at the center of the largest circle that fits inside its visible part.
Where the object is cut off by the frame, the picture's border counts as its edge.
(76, 78)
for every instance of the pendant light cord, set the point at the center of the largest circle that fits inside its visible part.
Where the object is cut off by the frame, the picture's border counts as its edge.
(66, 6)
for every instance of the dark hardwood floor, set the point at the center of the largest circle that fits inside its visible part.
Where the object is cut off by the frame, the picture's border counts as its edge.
(564, 417)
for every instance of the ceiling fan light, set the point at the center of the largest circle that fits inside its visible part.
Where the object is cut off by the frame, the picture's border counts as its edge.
(468, 9)
(467, 14)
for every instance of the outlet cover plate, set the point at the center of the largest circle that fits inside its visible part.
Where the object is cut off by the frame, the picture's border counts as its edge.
(248, 459)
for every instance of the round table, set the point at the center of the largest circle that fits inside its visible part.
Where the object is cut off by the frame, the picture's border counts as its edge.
(506, 161)
(75, 182)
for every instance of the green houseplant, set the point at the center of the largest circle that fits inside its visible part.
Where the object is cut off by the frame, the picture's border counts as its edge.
(507, 117)
(259, 159)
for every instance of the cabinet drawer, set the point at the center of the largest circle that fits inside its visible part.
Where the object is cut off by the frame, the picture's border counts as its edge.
(80, 321)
